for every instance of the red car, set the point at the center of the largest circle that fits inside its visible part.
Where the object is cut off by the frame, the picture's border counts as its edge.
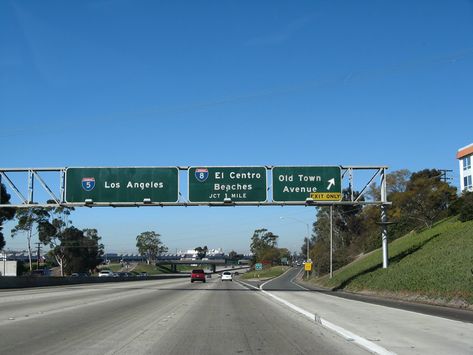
(198, 275)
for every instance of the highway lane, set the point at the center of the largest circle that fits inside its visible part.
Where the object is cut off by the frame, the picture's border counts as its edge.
(285, 282)
(158, 317)
(397, 330)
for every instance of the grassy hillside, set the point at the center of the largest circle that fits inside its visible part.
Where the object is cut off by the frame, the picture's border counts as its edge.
(435, 265)
(271, 272)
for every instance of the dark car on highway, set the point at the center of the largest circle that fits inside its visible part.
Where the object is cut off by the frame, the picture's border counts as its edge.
(197, 275)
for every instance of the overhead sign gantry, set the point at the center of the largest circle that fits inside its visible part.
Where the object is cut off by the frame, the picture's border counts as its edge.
(211, 186)
(206, 185)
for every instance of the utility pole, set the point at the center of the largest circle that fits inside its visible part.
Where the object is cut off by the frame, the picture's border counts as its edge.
(38, 254)
(444, 176)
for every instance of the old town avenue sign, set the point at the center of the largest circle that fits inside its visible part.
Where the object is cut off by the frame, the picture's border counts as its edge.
(303, 183)
(122, 185)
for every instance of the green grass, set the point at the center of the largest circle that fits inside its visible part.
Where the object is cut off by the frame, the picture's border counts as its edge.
(150, 269)
(141, 267)
(434, 264)
(111, 266)
(266, 273)
(188, 268)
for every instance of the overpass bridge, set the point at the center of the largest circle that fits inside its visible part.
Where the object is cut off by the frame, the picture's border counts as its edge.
(172, 264)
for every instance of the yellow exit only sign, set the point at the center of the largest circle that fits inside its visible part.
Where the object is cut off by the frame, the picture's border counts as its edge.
(326, 196)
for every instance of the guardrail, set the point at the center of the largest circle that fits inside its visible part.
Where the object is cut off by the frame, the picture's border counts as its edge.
(45, 281)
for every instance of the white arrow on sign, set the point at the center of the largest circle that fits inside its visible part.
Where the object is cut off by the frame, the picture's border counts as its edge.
(331, 182)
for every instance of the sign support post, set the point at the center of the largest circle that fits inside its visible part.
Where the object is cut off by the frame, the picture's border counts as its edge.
(384, 220)
(331, 239)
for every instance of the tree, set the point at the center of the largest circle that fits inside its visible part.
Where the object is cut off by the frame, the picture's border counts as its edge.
(27, 220)
(348, 227)
(464, 207)
(6, 213)
(347, 222)
(370, 238)
(303, 252)
(201, 252)
(425, 200)
(233, 255)
(395, 182)
(74, 250)
(284, 253)
(81, 249)
(51, 233)
(263, 245)
(150, 246)
(320, 255)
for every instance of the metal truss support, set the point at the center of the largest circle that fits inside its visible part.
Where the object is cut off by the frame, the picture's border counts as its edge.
(14, 188)
(45, 187)
(30, 186)
(58, 198)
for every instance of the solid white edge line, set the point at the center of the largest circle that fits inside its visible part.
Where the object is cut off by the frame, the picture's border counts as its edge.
(346, 334)
(305, 313)
(244, 283)
(292, 281)
(368, 345)
(365, 343)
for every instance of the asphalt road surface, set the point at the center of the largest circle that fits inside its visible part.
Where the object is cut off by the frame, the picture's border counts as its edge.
(158, 317)
(402, 329)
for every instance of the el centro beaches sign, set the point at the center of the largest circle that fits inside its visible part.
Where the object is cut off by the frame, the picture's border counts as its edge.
(121, 185)
(220, 184)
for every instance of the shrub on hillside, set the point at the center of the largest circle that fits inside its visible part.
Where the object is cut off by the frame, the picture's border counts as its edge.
(466, 209)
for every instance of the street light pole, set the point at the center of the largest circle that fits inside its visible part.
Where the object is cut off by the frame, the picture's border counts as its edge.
(307, 258)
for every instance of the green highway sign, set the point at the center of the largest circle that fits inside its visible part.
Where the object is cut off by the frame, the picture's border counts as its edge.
(130, 184)
(258, 266)
(299, 183)
(227, 184)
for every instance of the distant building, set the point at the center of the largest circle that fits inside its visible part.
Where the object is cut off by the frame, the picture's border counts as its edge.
(191, 254)
(464, 156)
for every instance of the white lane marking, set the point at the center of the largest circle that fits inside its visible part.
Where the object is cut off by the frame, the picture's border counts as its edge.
(292, 281)
(305, 313)
(248, 285)
(346, 334)
(365, 343)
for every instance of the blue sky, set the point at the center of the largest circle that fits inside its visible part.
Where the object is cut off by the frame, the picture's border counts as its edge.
(185, 83)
